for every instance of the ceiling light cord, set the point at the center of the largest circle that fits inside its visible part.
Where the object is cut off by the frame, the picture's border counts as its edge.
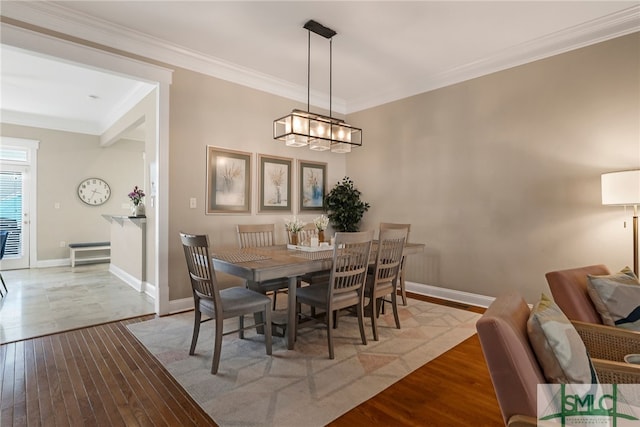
(308, 70)
(330, 75)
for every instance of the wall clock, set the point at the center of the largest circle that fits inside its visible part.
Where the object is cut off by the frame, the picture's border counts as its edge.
(94, 191)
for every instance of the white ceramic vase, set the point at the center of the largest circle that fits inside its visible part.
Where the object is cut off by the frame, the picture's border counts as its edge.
(138, 210)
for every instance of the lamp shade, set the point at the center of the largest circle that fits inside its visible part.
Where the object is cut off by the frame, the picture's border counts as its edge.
(621, 188)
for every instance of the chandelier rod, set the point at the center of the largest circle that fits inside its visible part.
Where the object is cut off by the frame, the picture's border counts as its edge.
(308, 69)
(330, 75)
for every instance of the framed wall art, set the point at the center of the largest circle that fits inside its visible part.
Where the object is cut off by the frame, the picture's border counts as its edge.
(312, 185)
(228, 181)
(274, 183)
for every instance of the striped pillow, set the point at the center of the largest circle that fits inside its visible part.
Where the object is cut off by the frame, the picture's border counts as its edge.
(617, 298)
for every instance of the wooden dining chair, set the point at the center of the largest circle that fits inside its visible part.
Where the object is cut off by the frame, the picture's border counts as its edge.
(258, 236)
(392, 226)
(219, 304)
(346, 285)
(308, 231)
(382, 279)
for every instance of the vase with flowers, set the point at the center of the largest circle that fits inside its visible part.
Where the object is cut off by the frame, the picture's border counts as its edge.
(321, 224)
(136, 196)
(293, 226)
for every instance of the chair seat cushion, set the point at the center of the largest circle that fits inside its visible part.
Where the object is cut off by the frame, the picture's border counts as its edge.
(236, 300)
(617, 298)
(316, 295)
(557, 345)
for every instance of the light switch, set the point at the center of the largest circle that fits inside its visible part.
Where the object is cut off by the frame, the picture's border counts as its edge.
(192, 203)
(56, 205)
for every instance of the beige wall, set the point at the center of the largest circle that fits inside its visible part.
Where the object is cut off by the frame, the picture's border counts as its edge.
(500, 175)
(64, 160)
(208, 111)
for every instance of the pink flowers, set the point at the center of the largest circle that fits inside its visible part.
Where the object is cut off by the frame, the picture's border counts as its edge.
(136, 195)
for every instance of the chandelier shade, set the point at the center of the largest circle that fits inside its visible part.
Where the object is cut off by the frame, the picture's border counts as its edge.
(316, 131)
(320, 133)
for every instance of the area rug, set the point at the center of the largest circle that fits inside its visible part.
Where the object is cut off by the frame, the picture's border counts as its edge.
(302, 387)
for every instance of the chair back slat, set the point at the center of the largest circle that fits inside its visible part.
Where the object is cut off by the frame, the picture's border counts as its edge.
(395, 226)
(350, 261)
(304, 236)
(256, 235)
(203, 279)
(389, 256)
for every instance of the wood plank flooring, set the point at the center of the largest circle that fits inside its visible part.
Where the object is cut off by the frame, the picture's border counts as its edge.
(102, 376)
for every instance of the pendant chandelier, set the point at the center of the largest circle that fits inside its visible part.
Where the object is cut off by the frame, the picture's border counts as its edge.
(304, 128)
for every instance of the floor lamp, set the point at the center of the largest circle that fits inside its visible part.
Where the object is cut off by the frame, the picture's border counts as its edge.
(623, 189)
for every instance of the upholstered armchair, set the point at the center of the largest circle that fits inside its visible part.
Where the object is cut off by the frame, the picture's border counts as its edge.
(569, 290)
(514, 367)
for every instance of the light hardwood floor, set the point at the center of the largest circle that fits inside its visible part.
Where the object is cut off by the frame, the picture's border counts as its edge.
(47, 300)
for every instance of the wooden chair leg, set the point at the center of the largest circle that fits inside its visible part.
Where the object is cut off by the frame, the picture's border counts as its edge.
(394, 306)
(329, 333)
(361, 322)
(373, 303)
(217, 347)
(241, 323)
(196, 330)
(275, 294)
(267, 329)
(403, 290)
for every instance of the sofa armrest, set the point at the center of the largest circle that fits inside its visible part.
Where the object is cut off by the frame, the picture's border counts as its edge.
(608, 342)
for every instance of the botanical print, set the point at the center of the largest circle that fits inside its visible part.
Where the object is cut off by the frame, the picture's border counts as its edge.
(312, 185)
(230, 184)
(275, 184)
(228, 181)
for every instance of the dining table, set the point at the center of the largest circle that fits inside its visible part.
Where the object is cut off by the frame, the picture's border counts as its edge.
(256, 265)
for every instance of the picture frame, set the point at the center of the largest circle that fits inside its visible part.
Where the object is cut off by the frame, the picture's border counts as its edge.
(228, 181)
(274, 183)
(312, 186)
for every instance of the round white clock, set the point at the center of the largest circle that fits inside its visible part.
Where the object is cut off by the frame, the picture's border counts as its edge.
(94, 191)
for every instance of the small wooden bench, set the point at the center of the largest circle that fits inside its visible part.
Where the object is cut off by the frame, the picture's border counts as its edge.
(91, 246)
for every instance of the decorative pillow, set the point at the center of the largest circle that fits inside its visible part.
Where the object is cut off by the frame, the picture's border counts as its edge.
(557, 345)
(617, 298)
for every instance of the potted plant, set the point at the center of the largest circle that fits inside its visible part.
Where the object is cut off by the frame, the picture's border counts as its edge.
(344, 207)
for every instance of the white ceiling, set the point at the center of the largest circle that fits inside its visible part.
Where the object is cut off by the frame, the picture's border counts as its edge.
(383, 50)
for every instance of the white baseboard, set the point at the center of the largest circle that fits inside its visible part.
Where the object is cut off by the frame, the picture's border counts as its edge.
(185, 304)
(449, 294)
(134, 282)
(63, 262)
(178, 305)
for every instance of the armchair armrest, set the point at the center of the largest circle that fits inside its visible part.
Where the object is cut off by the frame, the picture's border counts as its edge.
(607, 342)
(616, 372)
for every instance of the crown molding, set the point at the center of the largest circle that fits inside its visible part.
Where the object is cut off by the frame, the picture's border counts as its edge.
(599, 30)
(58, 18)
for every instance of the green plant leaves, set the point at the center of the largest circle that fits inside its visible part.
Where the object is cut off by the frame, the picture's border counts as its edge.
(344, 207)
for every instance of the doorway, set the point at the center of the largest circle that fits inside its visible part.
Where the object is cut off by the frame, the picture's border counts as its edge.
(18, 159)
(157, 151)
